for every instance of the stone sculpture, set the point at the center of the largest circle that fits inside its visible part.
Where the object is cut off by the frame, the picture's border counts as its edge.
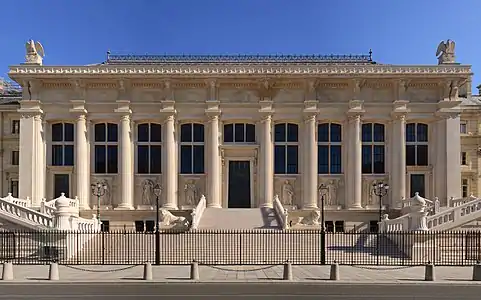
(169, 220)
(35, 52)
(446, 52)
(106, 198)
(190, 190)
(287, 193)
(331, 193)
(147, 192)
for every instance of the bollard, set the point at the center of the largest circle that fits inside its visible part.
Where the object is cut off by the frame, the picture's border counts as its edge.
(53, 272)
(148, 271)
(287, 271)
(429, 274)
(7, 273)
(334, 271)
(194, 271)
(477, 272)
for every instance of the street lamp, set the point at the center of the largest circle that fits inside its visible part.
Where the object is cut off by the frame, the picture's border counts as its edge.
(98, 189)
(380, 189)
(323, 190)
(157, 192)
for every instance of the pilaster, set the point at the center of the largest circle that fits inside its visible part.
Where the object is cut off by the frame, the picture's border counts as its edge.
(170, 176)
(310, 156)
(267, 155)
(354, 170)
(213, 155)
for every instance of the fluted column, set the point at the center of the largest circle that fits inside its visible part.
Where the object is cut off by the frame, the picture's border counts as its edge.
(310, 163)
(213, 176)
(126, 174)
(170, 175)
(267, 159)
(398, 161)
(355, 162)
(81, 162)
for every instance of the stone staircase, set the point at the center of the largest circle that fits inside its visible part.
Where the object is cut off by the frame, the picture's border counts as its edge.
(239, 218)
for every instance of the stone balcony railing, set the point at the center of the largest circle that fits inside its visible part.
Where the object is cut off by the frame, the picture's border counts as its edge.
(48, 207)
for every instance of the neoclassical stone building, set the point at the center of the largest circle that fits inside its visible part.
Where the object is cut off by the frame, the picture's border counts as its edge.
(240, 130)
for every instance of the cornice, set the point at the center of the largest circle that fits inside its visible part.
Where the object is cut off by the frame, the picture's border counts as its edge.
(209, 70)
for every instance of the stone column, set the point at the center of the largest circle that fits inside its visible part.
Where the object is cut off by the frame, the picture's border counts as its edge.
(267, 159)
(310, 163)
(213, 159)
(126, 171)
(170, 175)
(398, 161)
(354, 170)
(31, 168)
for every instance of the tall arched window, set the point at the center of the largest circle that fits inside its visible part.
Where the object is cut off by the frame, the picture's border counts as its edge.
(373, 148)
(62, 144)
(149, 148)
(286, 144)
(106, 148)
(192, 148)
(239, 133)
(416, 144)
(329, 148)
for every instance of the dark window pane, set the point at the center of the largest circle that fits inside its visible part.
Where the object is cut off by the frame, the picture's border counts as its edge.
(100, 131)
(239, 133)
(366, 159)
(57, 132)
(422, 155)
(112, 132)
(323, 159)
(185, 159)
(411, 132)
(69, 132)
(417, 184)
(292, 159)
(367, 132)
(229, 133)
(280, 159)
(280, 132)
(57, 155)
(143, 159)
(323, 133)
(336, 159)
(422, 133)
(156, 159)
(336, 133)
(186, 133)
(250, 133)
(155, 133)
(410, 155)
(112, 160)
(100, 159)
(292, 132)
(61, 185)
(198, 159)
(68, 155)
(198, 133)
(378, 132)
(143, 132)
(378, 159)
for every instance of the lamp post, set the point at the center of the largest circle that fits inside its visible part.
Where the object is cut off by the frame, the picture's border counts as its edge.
(323, 189)
(98, 189)
(380, 189)
(157, 192)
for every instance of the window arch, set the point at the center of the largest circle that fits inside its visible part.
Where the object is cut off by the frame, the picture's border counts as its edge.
(417, 144)
(286, 144)
(192, 148)
(329, 148)
(373, 148)
(239, 133)
(149, 148)
(62, 144)
(106, 148)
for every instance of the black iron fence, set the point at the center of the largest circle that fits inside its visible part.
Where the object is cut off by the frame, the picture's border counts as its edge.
(252, 247)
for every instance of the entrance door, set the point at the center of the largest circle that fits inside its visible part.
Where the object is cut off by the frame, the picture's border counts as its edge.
(61, 185)
(239, 184)
(417, 185)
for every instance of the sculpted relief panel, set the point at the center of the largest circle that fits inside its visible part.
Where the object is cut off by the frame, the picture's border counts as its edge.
(144, 191)
(333, 194)
(107, 201)
(191, 188)
(288, 191)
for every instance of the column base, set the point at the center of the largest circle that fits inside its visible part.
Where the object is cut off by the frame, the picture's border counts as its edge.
(310, 207)
(266, 205)
(124, 207)
(355, 207)
(214, 206)
(169, 207)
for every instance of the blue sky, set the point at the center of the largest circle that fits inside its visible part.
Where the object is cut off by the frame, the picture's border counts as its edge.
(398, 31)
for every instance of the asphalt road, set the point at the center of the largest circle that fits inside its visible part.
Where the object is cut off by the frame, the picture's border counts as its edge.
(264, 291)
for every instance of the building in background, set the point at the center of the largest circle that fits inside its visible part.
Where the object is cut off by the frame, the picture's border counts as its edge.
(240, 130)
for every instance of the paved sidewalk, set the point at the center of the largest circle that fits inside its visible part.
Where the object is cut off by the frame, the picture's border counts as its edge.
(244, 273)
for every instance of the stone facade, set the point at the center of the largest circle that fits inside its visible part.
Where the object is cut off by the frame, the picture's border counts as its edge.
(341, 122)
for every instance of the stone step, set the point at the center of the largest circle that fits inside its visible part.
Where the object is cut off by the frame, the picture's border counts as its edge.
(239, 218)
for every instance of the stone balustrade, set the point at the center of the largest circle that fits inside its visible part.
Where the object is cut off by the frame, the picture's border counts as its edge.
(17, 210)
(48, 207)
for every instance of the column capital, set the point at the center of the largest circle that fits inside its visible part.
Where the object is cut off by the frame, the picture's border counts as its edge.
(123, 107)
(354, 117)
(78, 107)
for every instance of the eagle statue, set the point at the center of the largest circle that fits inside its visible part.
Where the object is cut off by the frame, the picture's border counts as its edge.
(35, 52)
(445, 52)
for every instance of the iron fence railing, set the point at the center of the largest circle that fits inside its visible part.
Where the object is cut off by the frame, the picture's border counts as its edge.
(242, 247)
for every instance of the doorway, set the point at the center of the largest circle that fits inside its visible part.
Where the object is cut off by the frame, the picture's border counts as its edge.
(61, 185)
(418, 185)
(239, 186)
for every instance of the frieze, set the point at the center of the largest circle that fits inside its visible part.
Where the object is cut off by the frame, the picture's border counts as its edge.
(189, 85)
(378, 85)
(267, 69)
(102, 85)
(56, 85)
(148, 85)
(423, 85)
